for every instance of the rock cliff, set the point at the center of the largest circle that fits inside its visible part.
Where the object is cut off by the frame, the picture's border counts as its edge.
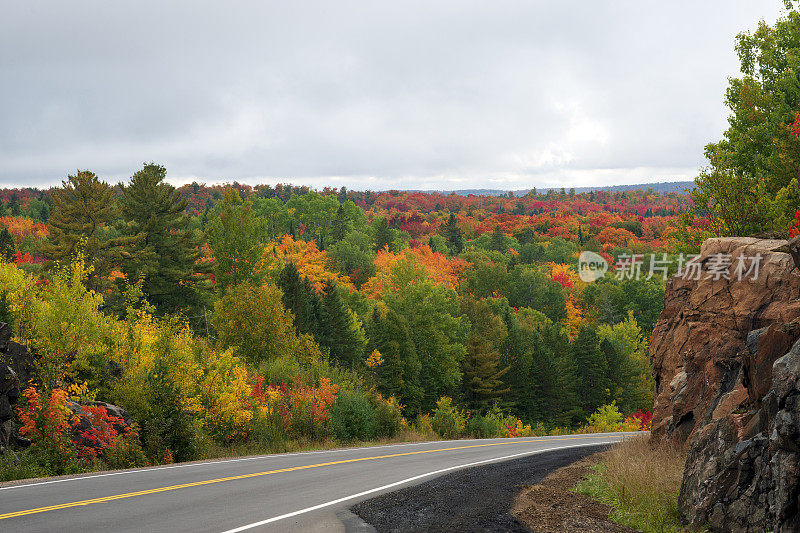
(726, 357)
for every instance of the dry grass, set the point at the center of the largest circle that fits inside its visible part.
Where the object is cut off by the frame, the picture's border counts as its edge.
(641, 482)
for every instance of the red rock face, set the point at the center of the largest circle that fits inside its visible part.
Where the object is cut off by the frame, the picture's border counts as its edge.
(699, 347)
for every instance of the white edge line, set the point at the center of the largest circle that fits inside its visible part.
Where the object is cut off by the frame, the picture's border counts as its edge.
(407, 480)
(256, 457)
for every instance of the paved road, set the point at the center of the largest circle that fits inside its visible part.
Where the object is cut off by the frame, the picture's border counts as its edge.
(300, 491)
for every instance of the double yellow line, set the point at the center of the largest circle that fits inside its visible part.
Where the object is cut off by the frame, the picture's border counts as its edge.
(258, 474)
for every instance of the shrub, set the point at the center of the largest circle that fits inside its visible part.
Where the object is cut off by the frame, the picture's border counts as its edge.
(20, 466)
(491, 425)
(300, 410)
(448, 421)
(125, 452)
(353, 417)
(169, 431)
(68, 332)
(310, 408)
(608, 419)
(47, 422)
(388, 417)
(423, 426)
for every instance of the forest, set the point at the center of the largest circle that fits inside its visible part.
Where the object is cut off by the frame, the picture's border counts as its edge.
(234, 319)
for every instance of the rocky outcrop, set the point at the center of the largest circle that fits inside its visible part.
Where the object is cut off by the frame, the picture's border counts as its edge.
(699, 347)
(726, 356)
(16, 365)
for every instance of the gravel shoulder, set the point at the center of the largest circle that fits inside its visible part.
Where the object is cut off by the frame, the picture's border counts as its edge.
(550, 506)
(495, 497)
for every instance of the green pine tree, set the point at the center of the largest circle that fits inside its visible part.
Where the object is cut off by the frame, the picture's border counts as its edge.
(14, 207)
(592, 370)
(301, 299)
(498, 240)
(383, 235)
(453, 234)
(81, 222)
(399, 374)
(482, 371)
(342, 333)
(7, 245)
(236, 238)
(339, 228)
(166, 253)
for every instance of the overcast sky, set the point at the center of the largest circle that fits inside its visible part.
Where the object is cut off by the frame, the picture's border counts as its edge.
(368, 94)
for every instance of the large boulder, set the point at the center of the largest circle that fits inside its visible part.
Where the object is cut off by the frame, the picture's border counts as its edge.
(726, 359)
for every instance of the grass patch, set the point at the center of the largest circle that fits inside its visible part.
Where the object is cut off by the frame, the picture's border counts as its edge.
(640, 482)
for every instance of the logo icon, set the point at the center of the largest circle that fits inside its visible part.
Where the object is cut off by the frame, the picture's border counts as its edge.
(591, 266)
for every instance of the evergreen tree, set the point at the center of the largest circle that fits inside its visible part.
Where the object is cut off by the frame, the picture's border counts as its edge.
(339, 228)
(498, 240)
(3, 209)
(14, 208)
(166, 252)
(383, 235)
(541, 378)
(482, 372)
(301, 299)
(592, 370)
(342, 333)
(7, 246)
(453, 234)
(80, 222)
(399, 374)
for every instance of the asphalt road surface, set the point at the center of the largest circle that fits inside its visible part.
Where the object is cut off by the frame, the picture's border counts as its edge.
(308, 491)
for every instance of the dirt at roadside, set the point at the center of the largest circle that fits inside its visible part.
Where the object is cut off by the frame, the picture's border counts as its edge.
(551, 507)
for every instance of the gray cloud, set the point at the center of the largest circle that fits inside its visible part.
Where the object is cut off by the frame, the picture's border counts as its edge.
(367, 94)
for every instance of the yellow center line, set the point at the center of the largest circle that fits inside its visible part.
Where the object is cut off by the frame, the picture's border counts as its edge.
(257, 474)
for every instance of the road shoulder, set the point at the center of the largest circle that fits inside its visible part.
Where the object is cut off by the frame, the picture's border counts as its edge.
(552, 507)
(474, 499)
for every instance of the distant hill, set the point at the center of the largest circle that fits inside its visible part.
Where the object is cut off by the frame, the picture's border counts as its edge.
(662, 187)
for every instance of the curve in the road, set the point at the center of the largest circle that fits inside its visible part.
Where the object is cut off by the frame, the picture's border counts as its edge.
(453, 458)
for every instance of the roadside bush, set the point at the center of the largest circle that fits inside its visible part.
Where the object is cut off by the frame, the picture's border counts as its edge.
(423, 426)
(60, 445)
(491, 425)
(608, 419)
(46, 420)
(388, 417)
(68, 332)
(20, 465)
(448, 421)
(309, 408)
(169, 431)
(353, 417)
(298, 409)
